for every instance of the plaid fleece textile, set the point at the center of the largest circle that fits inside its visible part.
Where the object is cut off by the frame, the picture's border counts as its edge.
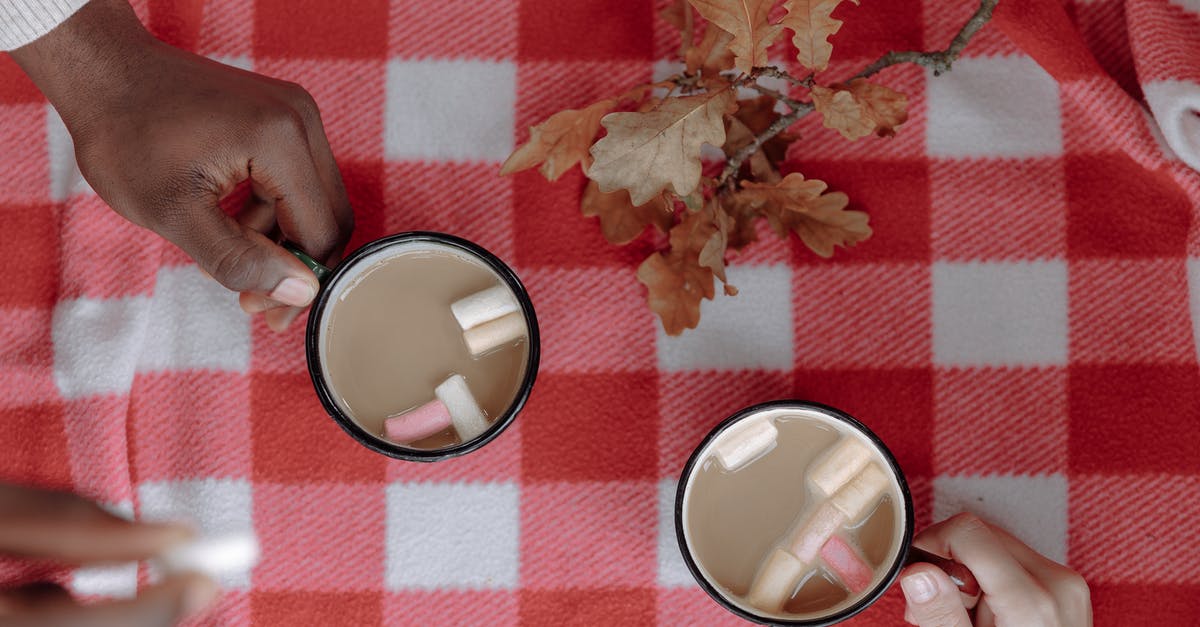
(1020, 331)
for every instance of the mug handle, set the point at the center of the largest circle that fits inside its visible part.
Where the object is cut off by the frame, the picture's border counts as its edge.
(317, 268)
(958, 573)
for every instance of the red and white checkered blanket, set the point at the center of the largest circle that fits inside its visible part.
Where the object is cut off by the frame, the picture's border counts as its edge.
(1021, 330)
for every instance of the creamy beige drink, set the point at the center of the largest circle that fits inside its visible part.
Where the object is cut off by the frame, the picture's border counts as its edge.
(793, 514)
(390, 339)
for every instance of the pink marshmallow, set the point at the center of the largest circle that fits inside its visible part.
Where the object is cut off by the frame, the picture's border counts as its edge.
(847, 564)
(418, 424)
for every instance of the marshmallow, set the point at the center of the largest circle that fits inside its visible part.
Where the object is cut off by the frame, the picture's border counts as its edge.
(498, 332)
(776, 581)
(861, 494)
(812, 535)
(480, 307)
(843, 461)
(847, 565)
(418, 423)
(466, 416)
(216, 556)
(745, 442)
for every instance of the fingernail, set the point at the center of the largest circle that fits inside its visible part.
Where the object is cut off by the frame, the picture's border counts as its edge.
(199, 595)
(919, 587)
(294, 292)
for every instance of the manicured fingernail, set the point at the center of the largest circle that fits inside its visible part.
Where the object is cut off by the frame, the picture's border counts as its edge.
(919, 587)
(199, 595)
(294, 292)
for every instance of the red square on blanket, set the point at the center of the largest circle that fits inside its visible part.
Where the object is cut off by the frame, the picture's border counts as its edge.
(458, 29)
(24, 158)
(895, 194)
(540, 85)
(871, 30)
(15, 86)
(496, 608)
(35, 446)
(98, 437)
(205, 413)
(581, 427)
(28, 239)
(90, 230)
(983, 209)
(578, 608)
(896, 404)
(465, 199)
(312, 607)
(1110, 197)
(26, 356)
(588, 536)
(1149, 519)
(350, 94)
(1134, 419)
(691, 403)
(282, 406)
(1115, 604)
(310, 29)
(1130, 311)
(364, 181)
(689, 605)
(585, 29)
(310, 544)
(1000, 421)
(868, 315)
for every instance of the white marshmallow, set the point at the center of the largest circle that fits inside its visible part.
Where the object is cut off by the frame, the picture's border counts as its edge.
(480, 307)
(808, 538)
(216, 556)
(465, 414)
(776, 581)
(745, 442)
(489, 335)
(861, 494)
(839, 464)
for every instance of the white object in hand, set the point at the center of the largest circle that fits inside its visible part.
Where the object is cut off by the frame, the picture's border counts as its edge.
(498, 332)
(468, 419)
(858, 497)
(215, 556)
(776, 581)
(838, 465)
(745, 442)
(494, 302)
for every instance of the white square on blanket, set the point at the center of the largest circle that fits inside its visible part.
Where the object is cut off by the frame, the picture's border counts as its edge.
(65, 178)
(994, 107)
(456, 535)
(194, 323)
(1032, 508)
(672, 571)
(97, 343)
(752, 330)
(213, 506)
(1000, 313)
(434, 110)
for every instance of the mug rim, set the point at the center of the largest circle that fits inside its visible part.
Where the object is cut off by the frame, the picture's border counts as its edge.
(312, 348)
(863, 603)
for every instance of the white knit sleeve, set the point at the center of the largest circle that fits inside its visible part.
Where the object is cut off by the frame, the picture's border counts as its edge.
(22, 21)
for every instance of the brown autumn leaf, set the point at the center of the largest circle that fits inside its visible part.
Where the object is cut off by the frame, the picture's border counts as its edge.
(738, 136)
(796, 204)
(812, 22)
(648, 152)
(620, 221)
(678, 13)
(749, 24)
(712, 55)
(680, 278)
(860, 108)
(560, 142)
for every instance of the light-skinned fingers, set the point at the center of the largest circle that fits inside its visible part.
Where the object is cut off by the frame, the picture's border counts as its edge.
(67, 528)
(1070, 590)
(932, 599)
(163, 605)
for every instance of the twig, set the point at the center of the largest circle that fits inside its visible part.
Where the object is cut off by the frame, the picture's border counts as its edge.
(939, 61)
(780, 96)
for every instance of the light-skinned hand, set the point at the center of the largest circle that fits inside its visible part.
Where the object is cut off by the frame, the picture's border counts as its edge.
(162, 135)
(1021, 588)
(67, 529)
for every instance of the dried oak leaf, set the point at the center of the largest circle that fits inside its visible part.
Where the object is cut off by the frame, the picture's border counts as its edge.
(620, 221)
(560, 142)
(748, 22)
(678, 13)
(812, 22)
(860, 108)
(796, 204)
(738, 136)
(712, 55)
(680, 278)
(648, 152)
